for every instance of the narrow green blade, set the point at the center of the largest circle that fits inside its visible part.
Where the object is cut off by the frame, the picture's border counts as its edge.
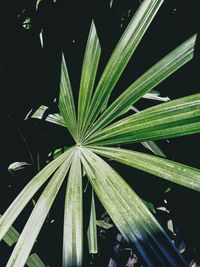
(151, 78)
(66, 101)
(73, 216)
(172, 171)
(27, 193)
(89, 69)
(153, 147)
(34, 224)
(92, 229)
(175, 118)
(130, 215)
(121, 56)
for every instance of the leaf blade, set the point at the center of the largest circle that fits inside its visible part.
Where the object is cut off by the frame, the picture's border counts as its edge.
(175, 118)
(34, 224)
(140, 227)
(66, 101)
(27, 193)
(73, 216)
(151, 78)
(121, 55)
(172, 171)
(89, 70)
(92, 229)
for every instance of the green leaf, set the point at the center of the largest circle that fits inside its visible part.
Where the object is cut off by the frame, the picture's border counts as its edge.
(175, 118)
(11, 236)
(34, 224)
(66, 101)
(121, 56)
(151, 78)
(151, 145)
(34, 261)
(73, 216)
(130, 215)
(104, 225)
(174, 172)
(92, 229)
(27, 193)
(150, 206)
(89, 69)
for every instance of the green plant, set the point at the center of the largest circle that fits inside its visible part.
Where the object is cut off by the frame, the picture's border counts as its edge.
(92, 129)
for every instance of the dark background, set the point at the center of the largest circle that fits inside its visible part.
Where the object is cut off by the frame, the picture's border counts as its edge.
(29, 77)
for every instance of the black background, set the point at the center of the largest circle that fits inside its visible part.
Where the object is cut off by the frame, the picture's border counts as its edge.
(29, 77)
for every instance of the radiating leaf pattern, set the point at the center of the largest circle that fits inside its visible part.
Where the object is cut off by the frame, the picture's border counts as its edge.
(92, 129)
(121, 55)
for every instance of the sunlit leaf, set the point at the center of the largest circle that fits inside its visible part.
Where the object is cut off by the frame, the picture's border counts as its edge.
(175, 118)
(89, 69)
(73, 216)
(66, 101)
(92, 229)
(174, 172)
(121, 55)
(155, 75)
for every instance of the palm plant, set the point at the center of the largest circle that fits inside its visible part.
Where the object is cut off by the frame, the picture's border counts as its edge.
(93, 128)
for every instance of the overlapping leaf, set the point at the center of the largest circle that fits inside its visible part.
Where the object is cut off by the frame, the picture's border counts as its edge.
(11, 238)
(155, 75)
(27, 193)
(174, 118)
(174, 172)
(34, 224)
(121, 55)
(130, 214)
